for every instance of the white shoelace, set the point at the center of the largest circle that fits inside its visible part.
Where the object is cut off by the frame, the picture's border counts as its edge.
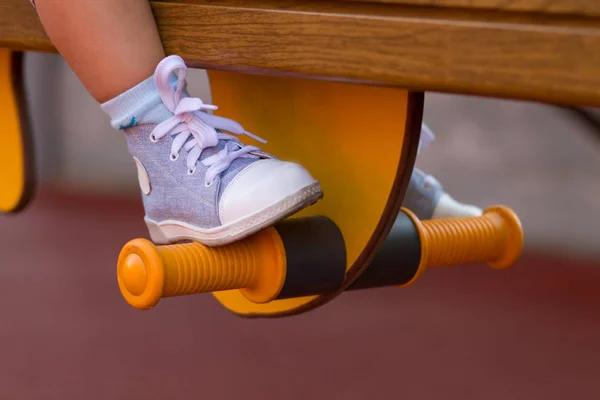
(190, 119)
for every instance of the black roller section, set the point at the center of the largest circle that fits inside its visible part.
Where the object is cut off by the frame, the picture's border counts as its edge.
(397, 262)
(316, 256)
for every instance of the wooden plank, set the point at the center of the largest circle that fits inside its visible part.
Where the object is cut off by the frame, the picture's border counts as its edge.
(20, 28)
(575, 7)
(551, 59)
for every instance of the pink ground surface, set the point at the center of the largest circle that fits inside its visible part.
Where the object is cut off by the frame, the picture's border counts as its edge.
(459, 333)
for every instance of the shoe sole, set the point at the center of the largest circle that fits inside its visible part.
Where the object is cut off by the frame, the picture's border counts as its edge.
(171, 231)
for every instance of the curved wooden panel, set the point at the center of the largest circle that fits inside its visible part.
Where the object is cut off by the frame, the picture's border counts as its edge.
(359, 141)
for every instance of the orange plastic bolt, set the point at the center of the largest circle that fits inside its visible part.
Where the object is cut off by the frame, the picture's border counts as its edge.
(495, 238)
(256, 265)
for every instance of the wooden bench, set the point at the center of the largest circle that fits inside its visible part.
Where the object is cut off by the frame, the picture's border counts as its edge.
(525, 49)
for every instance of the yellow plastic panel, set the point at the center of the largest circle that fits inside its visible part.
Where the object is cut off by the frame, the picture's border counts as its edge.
(350, 137)
(14, 172)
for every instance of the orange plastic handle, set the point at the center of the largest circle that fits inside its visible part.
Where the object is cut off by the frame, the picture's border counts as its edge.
(495, 238)
(256, 265)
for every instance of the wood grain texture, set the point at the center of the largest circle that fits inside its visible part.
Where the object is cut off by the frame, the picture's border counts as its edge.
(546, 58)
(576, 7)
(20, 28)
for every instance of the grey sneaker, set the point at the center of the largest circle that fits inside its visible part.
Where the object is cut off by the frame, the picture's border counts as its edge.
(197, 182)
(426, 197)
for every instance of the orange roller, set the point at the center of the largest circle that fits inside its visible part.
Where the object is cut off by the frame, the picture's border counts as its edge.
(495, 238)
(306, 256)
(257, 265)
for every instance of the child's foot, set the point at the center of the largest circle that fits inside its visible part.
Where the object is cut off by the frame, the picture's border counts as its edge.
(428, 200)
(197, 182)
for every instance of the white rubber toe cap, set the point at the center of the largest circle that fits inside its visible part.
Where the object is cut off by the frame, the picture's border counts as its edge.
(260, 185)
(449, 208)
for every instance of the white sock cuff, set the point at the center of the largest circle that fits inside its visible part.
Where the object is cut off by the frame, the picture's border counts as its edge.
(129, 108)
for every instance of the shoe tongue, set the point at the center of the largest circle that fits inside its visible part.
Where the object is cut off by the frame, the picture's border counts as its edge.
(158, 112)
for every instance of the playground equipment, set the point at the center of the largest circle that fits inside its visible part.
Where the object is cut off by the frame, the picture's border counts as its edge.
(339, 87)
(16, 167)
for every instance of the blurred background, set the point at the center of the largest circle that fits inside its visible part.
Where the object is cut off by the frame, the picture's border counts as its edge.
(459, 333)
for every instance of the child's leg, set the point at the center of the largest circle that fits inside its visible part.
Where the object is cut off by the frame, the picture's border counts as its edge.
(114, 48)
(111, 45)
(197, 182)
